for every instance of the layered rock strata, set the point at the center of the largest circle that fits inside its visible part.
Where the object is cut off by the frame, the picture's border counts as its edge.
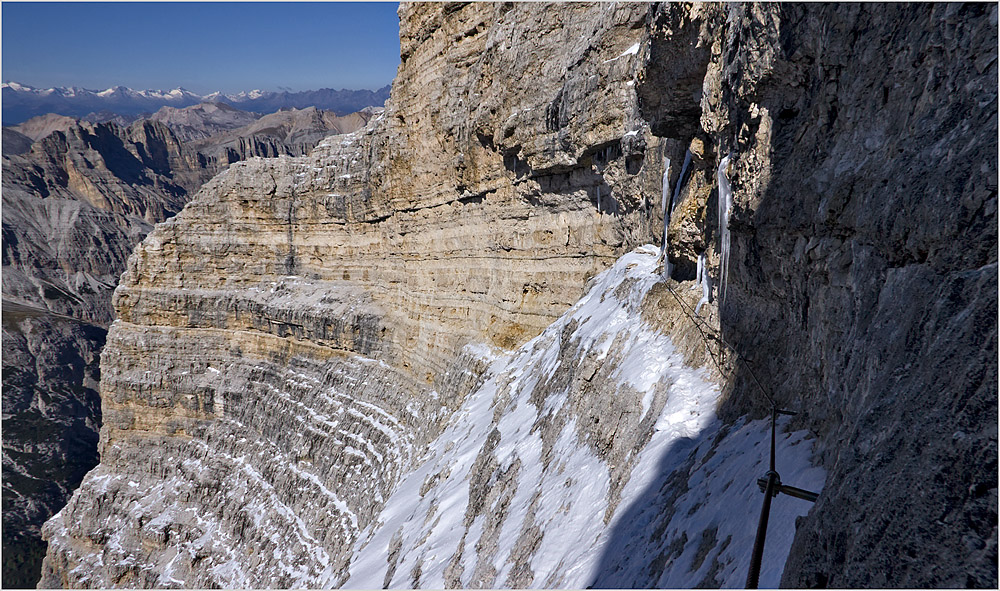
(75, 204)
(467, 212)
(346, 291)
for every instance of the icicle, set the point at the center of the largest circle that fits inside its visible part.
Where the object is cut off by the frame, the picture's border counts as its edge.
(701, 271)
(680, 180)
(725, 208)
(668, 206)
(706, 283)
(666, 184)
(665, 206)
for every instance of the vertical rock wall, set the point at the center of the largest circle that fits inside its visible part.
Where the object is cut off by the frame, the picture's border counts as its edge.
(863, 270)
(289, 344)
(305, 314)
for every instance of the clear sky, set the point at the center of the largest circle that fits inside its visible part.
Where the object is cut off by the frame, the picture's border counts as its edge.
(201, 46)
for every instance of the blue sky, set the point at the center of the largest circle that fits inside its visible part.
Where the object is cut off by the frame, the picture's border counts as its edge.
(201, 46)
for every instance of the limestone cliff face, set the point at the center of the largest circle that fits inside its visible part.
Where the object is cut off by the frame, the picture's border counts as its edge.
(469, 211)
(75, 204)
(460, 221)
(299, 356)
(864, 269)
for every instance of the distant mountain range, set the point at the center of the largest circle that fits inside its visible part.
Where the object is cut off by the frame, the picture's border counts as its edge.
(21, 102)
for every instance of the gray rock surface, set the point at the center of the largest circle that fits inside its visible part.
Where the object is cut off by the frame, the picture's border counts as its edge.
(51, 415)
(303, 306)
(863, 273)
(203, 120)
(75, 204)
(292, 132)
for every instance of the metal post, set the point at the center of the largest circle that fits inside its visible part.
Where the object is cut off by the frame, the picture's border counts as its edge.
(774, 419)
(769, 492)
(758, 544)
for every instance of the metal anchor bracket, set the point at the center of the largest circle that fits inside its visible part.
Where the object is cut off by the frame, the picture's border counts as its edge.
(771, 485)
(792, 491)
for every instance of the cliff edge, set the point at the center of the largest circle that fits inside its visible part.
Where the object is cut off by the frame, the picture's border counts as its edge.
(433, 351)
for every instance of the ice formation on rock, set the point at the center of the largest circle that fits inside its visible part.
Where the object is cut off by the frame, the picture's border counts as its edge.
(665, 207)
(680, 180)
(725, 207)
(703, 279)
(668, 205)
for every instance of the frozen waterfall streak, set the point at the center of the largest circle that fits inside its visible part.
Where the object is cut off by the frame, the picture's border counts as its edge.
(704, 280)
(665, 207)
(680, 180)
(725, 208)
(699, 272)
(668, 208)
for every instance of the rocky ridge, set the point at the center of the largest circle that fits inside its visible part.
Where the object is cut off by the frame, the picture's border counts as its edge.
(203, 120)
(291, 132)
(76, 201)
(38, 127)
(351, 291)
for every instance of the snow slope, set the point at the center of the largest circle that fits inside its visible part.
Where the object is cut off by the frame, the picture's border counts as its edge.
(523, 488)
(589, 456)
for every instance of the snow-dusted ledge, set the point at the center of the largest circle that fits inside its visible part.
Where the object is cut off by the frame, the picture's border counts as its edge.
(524, 489)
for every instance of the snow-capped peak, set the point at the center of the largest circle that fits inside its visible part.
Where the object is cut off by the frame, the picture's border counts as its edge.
(17, 87)
(23, 102)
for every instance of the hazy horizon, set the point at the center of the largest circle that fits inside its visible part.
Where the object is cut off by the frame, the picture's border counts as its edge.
(168, 88)
(203, 47)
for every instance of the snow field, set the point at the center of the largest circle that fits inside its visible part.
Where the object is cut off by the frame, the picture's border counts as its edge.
(551, 514)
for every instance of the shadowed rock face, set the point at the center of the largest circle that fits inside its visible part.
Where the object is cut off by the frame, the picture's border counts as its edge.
(291, 344)
(863, 272)
(15, 142)
(51, 417)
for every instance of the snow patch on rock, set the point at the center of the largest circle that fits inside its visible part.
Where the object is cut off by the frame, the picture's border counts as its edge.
(552, 518)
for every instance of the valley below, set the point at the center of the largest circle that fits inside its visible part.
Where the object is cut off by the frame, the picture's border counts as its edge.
(77, 198)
